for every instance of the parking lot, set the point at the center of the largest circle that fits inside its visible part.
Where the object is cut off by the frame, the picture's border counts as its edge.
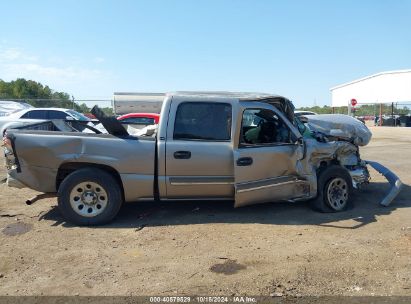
(188, 248)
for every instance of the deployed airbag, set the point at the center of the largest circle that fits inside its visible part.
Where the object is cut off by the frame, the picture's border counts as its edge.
(340, 126)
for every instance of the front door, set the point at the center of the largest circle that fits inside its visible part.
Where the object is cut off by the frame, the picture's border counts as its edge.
(266, 159)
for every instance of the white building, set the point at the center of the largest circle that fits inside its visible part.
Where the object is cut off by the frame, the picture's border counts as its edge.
(385, 87)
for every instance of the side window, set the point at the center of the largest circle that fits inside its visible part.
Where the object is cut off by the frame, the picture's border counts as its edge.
(203, 121)
(57, 115)
(138, 120)
(262, 127)
(26, 115)
(35, 114)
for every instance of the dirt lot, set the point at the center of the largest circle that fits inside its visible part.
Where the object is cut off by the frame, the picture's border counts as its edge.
(187, 248)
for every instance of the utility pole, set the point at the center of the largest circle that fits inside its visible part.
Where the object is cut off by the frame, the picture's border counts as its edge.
(392, 114)
(72, 99)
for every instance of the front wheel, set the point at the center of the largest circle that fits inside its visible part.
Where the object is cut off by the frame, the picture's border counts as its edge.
(334, 190)
(89, 197)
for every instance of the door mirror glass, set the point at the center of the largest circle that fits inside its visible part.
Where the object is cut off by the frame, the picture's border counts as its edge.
(300, 124)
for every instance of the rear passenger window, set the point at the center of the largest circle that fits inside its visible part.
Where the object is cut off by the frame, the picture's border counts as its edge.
(57, 115)
(35, 114)
(203, 121)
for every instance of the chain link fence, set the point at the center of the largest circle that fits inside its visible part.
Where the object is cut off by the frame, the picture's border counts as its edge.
(383, 114)
(80, 105)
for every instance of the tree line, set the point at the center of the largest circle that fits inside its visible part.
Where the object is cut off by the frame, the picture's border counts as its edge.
(40, 96)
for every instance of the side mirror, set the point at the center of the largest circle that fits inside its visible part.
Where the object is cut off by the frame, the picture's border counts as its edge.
(69, 117)
(301, 142)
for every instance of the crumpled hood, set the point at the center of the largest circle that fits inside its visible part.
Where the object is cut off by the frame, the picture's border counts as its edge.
(340, 126)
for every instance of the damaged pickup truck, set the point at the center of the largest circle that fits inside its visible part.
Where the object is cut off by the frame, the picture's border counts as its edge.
(208, 146)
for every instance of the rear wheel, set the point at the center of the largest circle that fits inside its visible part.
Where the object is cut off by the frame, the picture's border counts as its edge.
(90, 197)
(334, 190)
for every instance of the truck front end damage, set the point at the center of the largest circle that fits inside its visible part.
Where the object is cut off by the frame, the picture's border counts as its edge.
(360, 175)
(336, 138)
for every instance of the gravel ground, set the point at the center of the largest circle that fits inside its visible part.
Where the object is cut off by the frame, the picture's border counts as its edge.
(209, 248)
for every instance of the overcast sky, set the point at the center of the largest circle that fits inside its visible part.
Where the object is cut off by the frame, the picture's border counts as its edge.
(299, 49)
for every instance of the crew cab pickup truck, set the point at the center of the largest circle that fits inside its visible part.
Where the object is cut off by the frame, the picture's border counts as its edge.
(244, 147)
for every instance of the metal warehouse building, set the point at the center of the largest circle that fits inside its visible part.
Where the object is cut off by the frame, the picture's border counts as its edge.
(382, 88)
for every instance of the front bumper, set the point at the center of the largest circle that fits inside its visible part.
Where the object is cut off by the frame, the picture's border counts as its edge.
(393, 179)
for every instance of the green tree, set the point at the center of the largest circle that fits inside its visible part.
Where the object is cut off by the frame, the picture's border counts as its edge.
(38, 95)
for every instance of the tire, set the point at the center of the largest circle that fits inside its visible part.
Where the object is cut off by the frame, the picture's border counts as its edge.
(89, 197)
(334, 190)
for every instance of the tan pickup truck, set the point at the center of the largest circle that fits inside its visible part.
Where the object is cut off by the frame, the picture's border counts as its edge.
(244, 147)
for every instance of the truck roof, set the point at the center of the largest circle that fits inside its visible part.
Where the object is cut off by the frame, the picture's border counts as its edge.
(236, 95)
(124, 102)
(227, 94)
(282, 103)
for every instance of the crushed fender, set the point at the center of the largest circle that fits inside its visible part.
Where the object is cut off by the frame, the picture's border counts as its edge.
(393, 179)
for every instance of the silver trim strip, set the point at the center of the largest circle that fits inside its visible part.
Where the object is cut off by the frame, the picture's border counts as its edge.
(271, 185)
(198, 199)
(200, 183)
(277, 178)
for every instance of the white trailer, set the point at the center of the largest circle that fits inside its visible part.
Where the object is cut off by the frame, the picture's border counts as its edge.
(124, 103)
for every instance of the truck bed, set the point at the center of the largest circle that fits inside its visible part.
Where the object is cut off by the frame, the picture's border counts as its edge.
(44, 156)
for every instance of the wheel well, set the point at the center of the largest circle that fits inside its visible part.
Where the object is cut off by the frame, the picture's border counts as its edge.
(325, 164)
(67, 168)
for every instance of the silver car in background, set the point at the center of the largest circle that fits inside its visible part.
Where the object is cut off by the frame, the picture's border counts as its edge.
(34, 115)
(8, 106)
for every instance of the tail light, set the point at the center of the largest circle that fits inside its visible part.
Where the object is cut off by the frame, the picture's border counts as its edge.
(8, 147)
(6, 140)
(10, 158)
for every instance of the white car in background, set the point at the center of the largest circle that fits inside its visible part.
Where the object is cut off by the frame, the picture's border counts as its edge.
(7, 107)
(33, 115)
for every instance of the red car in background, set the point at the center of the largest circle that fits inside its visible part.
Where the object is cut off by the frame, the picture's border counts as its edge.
(140, 118)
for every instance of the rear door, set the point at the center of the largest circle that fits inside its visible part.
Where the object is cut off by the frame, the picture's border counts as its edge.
(266, 157)
(198, 153)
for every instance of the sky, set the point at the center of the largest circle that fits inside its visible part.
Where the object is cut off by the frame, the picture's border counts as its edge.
(296, 48)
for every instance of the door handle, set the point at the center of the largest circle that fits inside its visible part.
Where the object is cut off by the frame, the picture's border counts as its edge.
(182, 154)
(244, 161)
